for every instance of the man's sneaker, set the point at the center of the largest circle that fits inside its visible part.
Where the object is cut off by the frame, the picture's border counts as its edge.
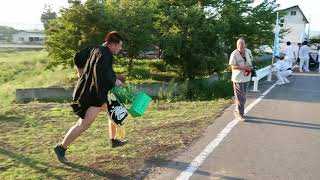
(242, 119)
(60, 152)
(116, 143)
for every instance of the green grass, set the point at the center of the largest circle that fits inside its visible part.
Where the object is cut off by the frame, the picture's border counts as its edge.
(28, 132)
(27, 138)
(27, 69)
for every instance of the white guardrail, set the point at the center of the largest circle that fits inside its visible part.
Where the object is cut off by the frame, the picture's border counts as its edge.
(261, 73)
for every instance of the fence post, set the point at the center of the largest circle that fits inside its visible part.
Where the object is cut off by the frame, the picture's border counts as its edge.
(270, 74)
(255, 85)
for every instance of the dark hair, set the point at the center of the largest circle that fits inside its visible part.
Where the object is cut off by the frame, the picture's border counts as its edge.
(288, 43)
(113, 37)
(305, 43)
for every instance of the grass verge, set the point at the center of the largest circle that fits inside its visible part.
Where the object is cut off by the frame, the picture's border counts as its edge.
(29, 133)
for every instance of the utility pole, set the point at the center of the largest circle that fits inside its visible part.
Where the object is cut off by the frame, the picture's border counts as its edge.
(309, 29)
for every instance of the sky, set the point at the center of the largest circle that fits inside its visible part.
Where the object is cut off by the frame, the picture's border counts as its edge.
(25, 14)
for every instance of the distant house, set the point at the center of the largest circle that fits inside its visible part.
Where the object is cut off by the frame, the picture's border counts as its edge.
(295, 21)
(29, 37)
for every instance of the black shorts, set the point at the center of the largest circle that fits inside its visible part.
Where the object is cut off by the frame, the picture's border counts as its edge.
(81, 109)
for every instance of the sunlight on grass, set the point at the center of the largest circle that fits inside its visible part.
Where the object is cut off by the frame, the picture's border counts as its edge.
(28, 132)
(158, 134)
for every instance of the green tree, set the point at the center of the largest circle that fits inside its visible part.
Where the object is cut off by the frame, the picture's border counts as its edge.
(6, 33)
(47, 16)
(241, 18)
(79, 26)
(133, 20)
(315, 39)
(189, 39)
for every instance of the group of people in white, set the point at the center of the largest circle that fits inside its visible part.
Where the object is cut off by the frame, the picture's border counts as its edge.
(284, 66)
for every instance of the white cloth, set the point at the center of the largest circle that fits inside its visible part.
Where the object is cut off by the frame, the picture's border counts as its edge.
(281, 65)
(282, 72)
(289, 51)
(304, 64)
(304, 58)
(304, 52)
(289, 55)
(236, 59)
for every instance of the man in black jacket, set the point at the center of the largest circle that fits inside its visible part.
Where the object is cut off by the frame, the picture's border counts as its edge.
(90, 93)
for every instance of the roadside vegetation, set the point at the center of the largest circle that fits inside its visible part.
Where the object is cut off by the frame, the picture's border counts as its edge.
(193, 38)
(29, 131)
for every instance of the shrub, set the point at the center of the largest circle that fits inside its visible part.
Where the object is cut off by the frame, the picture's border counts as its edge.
(205, 89)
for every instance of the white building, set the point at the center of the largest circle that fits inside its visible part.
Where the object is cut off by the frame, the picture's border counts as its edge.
(295, 22)
(29, 37)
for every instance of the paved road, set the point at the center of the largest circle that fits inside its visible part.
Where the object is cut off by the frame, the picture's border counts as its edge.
(280, 141)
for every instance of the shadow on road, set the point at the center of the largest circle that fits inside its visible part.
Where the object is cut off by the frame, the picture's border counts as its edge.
(296, 124)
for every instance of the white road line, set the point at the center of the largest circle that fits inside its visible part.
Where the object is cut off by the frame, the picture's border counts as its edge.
(197, 161)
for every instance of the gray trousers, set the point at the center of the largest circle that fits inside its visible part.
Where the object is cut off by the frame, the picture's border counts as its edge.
(240, 92)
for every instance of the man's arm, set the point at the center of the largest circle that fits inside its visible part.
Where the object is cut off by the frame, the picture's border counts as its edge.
(105, 77)
(234, 65)
(241, 68)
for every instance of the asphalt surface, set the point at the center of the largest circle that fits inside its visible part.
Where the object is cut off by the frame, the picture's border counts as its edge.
(280, 140)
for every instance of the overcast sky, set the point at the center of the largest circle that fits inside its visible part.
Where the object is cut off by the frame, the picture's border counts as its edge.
(25, 14)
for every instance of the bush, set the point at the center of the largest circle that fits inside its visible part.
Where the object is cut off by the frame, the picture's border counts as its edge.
(197, 90)
(168, 93)
(160, 66)
(141, 73)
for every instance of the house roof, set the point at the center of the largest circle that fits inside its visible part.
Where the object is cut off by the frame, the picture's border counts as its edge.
(296, 6)
(31, 31)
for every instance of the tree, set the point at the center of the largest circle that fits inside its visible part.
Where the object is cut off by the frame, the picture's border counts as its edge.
(189, 39)
(133, 20)
(241, 18)
(47, 16)
(315, 39)
(86, 24)
(79, 26)
(6, 33)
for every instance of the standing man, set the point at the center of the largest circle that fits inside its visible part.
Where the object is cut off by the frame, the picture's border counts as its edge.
(240, 62)
(90, 93)
(290, 54)
(304, 57)
(298, 59)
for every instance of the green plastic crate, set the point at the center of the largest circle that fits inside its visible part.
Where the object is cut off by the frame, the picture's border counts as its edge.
(137, 101)
(140, 104)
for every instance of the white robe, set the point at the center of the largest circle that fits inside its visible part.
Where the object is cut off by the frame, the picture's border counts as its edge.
(282, 72)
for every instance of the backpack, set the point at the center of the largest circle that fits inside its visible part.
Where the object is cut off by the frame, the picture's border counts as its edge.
(81, 57)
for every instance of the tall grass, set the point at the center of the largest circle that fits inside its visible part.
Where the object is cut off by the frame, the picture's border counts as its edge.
(27, 69)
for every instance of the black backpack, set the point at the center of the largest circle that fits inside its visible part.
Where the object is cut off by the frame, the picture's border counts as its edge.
(81, 57)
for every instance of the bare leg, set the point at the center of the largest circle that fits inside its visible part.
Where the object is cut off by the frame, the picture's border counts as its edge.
(112, 130)
(82, 125)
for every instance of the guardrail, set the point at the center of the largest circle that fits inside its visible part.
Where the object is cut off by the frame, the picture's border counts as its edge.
(261, 73)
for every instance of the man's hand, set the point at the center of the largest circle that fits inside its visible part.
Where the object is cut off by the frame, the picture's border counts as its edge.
(247, 68)
(118, 83)
(123, 79)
